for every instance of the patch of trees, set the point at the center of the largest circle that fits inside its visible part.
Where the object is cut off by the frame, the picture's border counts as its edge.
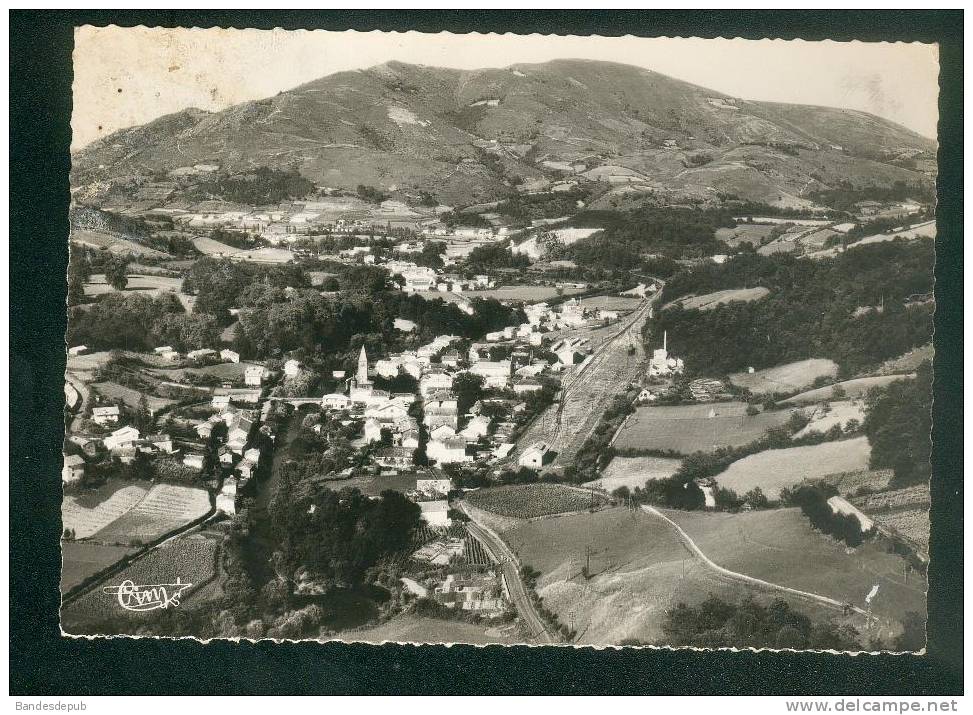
(221, 284)
(525, 208)
(431, 254)
(898, 420)
(716, 623)
(495, 255)
(237, 239)
(810, 311)
(371, 194)
(343, 535)
(699, 159)
(813, 501)
(124, 321)
(845, 195)
(460, 218)
(262, 185)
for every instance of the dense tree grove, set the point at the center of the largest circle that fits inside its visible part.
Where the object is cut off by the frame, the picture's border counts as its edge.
(811, 312)
(716, 623)
(846, 195)
(898, 420)
(257, 187)
(813, 501)
(344, 533)
(126, 321)
(495, 255)
(218, 284)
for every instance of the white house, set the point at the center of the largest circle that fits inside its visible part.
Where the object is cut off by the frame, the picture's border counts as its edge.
(435, 513)
(254, 375)
(77, 350)
(292, 368)
(121, 438)
(105, 416)
(220, 401)
(202, 353)
(227, 355)
(494, 373)
(441, 432)
(477, 427)
(73, 469)
(194, 461)
(448, 451)
(534, 456)
(435, 382)
(335, 401)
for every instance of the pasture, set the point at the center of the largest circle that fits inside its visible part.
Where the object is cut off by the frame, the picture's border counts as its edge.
(151, 285)
(779, 546)
(89, 513)
(528, 501)
(211, 247)
(633, 472)
(125, 395)
(785, 378)
(80, 559)
(836, 413)
(920, 230)
(639, 568)
(165, 508)
(611, 302)
(774, 469)
(853, 389)
(695, 428)
(709, 301)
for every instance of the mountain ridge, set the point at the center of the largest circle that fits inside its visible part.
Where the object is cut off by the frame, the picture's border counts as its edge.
(469, 135)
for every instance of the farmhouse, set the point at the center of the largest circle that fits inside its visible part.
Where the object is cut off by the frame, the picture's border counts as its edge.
(73, 469)
(336, 401)
(534, 456)
(194, 461)
(105, 416)
(200, 354)
(121, 438)
(448, 451)
(494, 373)
(254, 375)
(229, 356)
(292, 368)
(472, 592)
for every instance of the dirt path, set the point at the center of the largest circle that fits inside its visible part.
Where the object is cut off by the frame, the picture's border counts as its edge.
(750, 580)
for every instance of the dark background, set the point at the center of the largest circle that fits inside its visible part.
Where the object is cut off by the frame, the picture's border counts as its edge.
(42, 662)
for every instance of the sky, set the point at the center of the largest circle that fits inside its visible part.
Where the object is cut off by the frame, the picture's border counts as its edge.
(128, 76)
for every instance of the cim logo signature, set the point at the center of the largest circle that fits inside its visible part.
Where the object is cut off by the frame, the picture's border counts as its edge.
(149, 597)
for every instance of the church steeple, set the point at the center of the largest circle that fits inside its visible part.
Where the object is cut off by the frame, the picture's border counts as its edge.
(362, 374)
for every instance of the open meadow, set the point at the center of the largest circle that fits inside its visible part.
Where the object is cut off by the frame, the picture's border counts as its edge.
(836, 414)
(80, 559)
(853, 389)
(785, 378)
(119, 394)
(695, 428)
(709, 301)
(115, 244)
(775, 469)
(633, 472)
(622, 304)
(639, 568)
(779, 546)
(91, 512)
(151, 285)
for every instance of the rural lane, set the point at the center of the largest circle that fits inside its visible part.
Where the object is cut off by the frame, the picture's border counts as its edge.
(511, 574)
(825, 600)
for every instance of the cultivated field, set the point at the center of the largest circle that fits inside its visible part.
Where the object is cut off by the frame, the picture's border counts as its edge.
(191, 559)
(166, 507)
(922, 230)
(750, 233)
(690, 428)
(774, 469)
(913, 524)
(210, 247)
(88, 514)
(785, 378)
(264, 255)
(97, 239)
(709, 301)
(780, 546)
(79, 560)
(853, 389)
(847, 483)
(120, 394)
(528, 501)
(638, 569)
(152, 285)
(910, 361)
(633, 472)
(838, 413)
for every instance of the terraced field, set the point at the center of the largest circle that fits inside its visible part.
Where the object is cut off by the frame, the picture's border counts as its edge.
(785, 378)
(87, 515)
(166, 507)
(774, 469)
(695, 428)
(633, 472)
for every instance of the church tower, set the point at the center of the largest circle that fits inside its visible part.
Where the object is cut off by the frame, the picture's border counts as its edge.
(362, 374)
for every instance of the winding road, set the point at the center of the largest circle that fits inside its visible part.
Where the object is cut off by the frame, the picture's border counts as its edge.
(743, 578)
(511, 576)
